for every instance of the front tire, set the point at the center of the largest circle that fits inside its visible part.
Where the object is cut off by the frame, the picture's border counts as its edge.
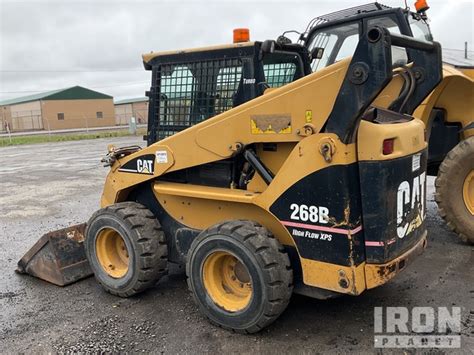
(455, 189)
(240, 276)
(126, 248)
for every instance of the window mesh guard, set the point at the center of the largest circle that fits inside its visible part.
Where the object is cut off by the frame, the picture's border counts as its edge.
(192, 92)
(279, 74)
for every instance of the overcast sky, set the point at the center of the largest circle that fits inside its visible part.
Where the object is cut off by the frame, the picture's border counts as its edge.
(48, 45)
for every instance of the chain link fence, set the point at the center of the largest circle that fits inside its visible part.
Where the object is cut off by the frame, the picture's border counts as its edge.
(23, 121)
(33, 121)
(123, 118)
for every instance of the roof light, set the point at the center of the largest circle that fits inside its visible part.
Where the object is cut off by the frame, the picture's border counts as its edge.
(421, 6)
(241, 35)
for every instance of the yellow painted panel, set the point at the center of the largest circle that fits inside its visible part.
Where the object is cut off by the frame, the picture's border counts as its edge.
(205, 192)
(333, 277)
(201, 213)
(409, 138)
(378, 274)
(149, 56)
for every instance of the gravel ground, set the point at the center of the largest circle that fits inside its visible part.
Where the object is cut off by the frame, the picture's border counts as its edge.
(49, 186)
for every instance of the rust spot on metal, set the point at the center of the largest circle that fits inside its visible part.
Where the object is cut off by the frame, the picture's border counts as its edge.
(345, 221)
(58, 257)
(384, 271)
(76, 235)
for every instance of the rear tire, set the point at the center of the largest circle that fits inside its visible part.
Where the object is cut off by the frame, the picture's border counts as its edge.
(240, 276)
(455, 189)
(126, 248)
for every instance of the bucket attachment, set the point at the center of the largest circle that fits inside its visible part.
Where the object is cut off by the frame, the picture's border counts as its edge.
(58, 257)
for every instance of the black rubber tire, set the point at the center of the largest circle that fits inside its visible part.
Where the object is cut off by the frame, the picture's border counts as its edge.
(144, 239)
(267, 263)
(449, 189)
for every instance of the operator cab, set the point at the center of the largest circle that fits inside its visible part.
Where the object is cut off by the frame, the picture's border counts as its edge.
(332, 37)
(335, 36)
(194, 85)
(191, 86)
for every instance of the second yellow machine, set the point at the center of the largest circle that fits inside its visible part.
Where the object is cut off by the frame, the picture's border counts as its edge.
(266, 179)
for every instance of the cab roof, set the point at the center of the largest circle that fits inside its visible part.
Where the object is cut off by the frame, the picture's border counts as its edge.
(352, 11)
(147, 57)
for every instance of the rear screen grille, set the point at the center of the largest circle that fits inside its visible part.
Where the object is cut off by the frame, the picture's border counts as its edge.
(192, 92)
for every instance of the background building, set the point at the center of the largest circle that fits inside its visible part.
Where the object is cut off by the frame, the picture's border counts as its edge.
(125, 109)
(74, 107)
(460, 59)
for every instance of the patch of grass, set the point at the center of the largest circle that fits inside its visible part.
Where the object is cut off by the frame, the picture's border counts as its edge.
(45, 138)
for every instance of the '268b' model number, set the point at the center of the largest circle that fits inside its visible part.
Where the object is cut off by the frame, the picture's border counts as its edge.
(306, 213)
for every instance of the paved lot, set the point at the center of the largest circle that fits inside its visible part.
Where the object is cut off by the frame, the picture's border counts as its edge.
(49, 186)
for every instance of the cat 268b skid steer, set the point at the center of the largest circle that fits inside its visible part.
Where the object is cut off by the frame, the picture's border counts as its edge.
(266, 179)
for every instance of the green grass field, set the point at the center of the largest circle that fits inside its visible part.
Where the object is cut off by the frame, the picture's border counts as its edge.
(44, 138)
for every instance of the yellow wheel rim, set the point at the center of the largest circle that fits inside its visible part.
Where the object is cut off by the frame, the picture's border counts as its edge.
(227, 281)
(112, 253)
(468, 192)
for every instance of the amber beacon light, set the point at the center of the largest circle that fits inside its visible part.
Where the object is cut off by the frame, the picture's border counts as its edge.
(241, 35)
(421, 6)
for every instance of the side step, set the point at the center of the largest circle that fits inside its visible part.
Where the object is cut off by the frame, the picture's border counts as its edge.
(58, 257)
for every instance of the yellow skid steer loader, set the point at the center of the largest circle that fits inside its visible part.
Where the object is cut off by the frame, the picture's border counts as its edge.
(265, 179)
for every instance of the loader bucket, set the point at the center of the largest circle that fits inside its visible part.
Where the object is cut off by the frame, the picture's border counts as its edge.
(58, 257)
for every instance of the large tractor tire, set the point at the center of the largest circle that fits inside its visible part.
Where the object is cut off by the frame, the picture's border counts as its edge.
(455, 189)
(126, 248)
(240, 276)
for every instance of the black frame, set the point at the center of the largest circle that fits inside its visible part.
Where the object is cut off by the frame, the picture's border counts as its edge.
(252, 84)
(399, 14)
(371, 70)
(362, 17)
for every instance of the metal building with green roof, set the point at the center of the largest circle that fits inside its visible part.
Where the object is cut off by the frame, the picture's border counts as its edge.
(73, 107)
(136, 107)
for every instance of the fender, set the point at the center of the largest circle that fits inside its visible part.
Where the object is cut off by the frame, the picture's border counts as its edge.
(455, 95)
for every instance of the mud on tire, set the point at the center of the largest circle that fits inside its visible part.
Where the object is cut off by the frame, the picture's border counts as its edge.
(267, 265)
(144, 242)
(452, 175)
